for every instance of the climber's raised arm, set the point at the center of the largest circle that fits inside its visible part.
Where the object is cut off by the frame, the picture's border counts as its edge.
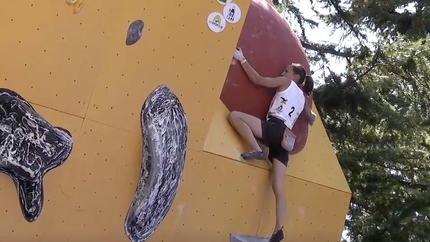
(271, 82)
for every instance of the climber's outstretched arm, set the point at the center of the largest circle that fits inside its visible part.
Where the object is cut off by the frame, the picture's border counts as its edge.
(256, 78)
(272, 82)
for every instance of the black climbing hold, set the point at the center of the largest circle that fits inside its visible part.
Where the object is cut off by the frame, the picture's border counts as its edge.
(164, 130)
(134, 32)
(29, 148)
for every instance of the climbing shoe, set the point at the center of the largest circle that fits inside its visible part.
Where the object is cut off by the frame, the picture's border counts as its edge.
(278, 236)
(253, 155)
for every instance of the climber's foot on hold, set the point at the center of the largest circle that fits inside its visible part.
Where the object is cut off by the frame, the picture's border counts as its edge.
(253, 155)
(277, 236)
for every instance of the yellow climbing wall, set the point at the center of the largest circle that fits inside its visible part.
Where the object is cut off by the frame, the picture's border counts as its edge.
(78, 73)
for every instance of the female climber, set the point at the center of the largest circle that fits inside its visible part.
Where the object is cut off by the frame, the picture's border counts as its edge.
(275, 132)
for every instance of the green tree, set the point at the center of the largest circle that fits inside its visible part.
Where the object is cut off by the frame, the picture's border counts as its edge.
(380, 128)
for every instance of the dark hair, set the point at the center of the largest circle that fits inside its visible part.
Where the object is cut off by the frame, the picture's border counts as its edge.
(299, 70)
(309, 85)
(308, 81)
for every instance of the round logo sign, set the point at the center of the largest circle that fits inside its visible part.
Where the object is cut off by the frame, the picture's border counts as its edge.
(224, 2)
(216, 22)
(232, 13)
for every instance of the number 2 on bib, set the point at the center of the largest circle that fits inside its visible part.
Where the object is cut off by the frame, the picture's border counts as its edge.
(292, 110)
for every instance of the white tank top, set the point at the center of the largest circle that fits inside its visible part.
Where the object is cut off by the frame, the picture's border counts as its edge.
(287, 105)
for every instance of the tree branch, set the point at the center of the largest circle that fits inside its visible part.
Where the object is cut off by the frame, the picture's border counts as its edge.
(342, 14)
(327, 49)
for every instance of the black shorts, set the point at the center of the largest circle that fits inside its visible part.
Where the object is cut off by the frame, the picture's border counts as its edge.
(273, 132)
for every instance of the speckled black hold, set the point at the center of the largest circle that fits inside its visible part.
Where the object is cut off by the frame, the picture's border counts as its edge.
(164, 130)
(134, 32)
(29, 148)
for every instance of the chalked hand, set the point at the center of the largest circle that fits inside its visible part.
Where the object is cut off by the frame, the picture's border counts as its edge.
(238, 54)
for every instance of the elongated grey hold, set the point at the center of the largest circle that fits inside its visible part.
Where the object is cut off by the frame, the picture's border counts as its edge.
(165, 133)
(134, 32)
(247, 238)
(29, 148)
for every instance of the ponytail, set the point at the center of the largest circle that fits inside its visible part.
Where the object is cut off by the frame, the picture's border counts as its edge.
(308, 87)
(305, 80)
